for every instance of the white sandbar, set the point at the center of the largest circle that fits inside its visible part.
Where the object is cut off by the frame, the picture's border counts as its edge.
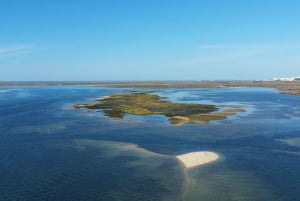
(194, 159)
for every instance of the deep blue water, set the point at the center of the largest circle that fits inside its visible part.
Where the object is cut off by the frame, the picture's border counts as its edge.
(49, 151)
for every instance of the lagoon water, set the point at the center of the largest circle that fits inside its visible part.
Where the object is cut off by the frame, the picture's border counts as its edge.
(49, 151)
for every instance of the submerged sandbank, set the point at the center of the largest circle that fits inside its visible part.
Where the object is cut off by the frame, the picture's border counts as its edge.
(194, 159)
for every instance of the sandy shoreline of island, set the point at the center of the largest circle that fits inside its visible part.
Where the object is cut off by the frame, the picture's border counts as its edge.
(194, 159)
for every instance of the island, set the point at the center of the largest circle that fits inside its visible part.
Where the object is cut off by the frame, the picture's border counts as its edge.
(118, 105)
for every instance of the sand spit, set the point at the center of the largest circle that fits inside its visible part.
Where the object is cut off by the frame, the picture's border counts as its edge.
(194, 159)
(189, 160)
(103, 98)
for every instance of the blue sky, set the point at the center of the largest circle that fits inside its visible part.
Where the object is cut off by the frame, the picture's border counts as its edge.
(55, 40)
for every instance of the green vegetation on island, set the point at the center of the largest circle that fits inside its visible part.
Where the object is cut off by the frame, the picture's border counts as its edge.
(118, 105)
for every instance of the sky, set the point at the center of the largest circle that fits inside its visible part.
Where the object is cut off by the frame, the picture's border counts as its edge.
(119, 40)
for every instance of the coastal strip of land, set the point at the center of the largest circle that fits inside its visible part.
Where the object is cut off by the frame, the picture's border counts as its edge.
(291, 87)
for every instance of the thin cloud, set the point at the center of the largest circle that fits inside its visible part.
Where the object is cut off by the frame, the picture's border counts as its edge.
(246, 46)
(219, 52)
(218, 46)
(15, 51)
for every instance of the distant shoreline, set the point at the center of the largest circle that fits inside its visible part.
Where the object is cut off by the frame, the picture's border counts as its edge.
(291, 87)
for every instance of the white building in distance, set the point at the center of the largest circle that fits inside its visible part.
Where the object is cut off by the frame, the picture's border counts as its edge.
(287, 79)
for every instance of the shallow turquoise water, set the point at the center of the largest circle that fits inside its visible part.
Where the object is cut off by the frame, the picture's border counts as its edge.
(49, 151)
